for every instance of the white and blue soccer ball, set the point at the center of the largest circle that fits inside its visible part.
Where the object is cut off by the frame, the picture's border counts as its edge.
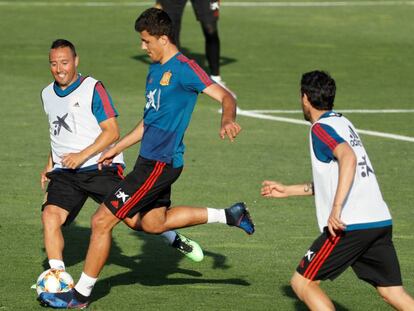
(54, 281)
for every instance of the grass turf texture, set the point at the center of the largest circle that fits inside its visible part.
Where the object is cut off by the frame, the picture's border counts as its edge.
(367, 49)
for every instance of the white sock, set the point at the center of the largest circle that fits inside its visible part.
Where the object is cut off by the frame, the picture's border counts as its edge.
(56, 264)
(85, 285)
(216, 215)
(169, 236)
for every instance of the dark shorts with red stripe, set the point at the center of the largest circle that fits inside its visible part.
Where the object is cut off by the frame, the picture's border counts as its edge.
(69, 189)
(148, 186)
(370, 253)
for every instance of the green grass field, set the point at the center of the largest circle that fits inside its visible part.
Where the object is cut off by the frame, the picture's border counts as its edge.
(368, 48)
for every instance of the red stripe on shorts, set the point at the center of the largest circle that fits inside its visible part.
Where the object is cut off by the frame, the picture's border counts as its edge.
(140, 193)
(323, 254)
(120, 171)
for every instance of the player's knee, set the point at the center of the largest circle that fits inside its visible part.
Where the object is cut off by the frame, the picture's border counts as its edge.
(100, 222)
(294, 284)
(385, 295)
(53, 217)
(210, 31)
(300, 284)
(390, 294)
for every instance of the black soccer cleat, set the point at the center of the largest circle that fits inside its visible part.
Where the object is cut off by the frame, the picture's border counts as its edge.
(238, 215)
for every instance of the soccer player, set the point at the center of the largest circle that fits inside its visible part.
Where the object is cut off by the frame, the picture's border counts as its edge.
(173, 84)
(355, 222)
(207, 13)
(82, 121)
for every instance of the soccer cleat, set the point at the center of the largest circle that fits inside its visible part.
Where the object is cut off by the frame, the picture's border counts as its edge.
(238, 215)
(188, 247)
(66, 300)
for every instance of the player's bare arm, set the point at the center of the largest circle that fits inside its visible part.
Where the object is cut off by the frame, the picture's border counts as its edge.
(347, 165)
(275, 189)
(48, 168)
(128, 140)
(229, 126)
(109, 134)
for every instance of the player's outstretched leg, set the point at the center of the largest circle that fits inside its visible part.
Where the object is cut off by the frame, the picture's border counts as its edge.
(67, 300)
(188, 247)
(183, 244)
(238, 215)
(159, 220)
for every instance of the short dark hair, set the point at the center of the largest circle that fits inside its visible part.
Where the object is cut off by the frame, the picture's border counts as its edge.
(156, 22)
(320, 89)
(62, 43)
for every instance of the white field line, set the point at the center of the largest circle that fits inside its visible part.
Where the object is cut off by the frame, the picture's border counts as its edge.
(76, 4)
(280, 111)
(244, 4)
(249, 113)
(315, 4)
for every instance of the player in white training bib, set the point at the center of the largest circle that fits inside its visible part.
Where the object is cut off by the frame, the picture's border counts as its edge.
(82, 124)
(354, 220)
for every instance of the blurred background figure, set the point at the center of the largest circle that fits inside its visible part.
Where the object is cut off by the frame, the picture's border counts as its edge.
(207, 13)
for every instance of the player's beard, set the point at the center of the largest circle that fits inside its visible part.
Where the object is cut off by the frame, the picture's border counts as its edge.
(306, 114)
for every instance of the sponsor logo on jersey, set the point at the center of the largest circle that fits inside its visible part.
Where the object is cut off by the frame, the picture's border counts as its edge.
(152, 100)
(165, 80)
(355, 140)
(214, 5)
(76, 105)
(115, 204)
(121, 195)
(59, 123)
(309, 255)
(365, 168)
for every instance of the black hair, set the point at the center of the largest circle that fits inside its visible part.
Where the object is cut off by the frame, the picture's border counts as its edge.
(320, 89)
(156, 22)
(62, 43)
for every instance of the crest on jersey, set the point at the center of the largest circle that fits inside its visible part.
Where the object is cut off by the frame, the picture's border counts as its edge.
(165, 80)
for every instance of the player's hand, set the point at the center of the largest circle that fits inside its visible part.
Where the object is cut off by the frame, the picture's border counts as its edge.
(335, 223)
(273, 189)
(107, 157)
(73, 160)
(43, 178)
(230, 129)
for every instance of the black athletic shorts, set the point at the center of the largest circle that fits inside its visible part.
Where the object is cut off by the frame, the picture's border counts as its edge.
(148, 186)
(370, 253)
(69, 189)
(206, 11)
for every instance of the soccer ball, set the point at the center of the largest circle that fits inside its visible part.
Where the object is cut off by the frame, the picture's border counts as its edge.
(54, 281)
